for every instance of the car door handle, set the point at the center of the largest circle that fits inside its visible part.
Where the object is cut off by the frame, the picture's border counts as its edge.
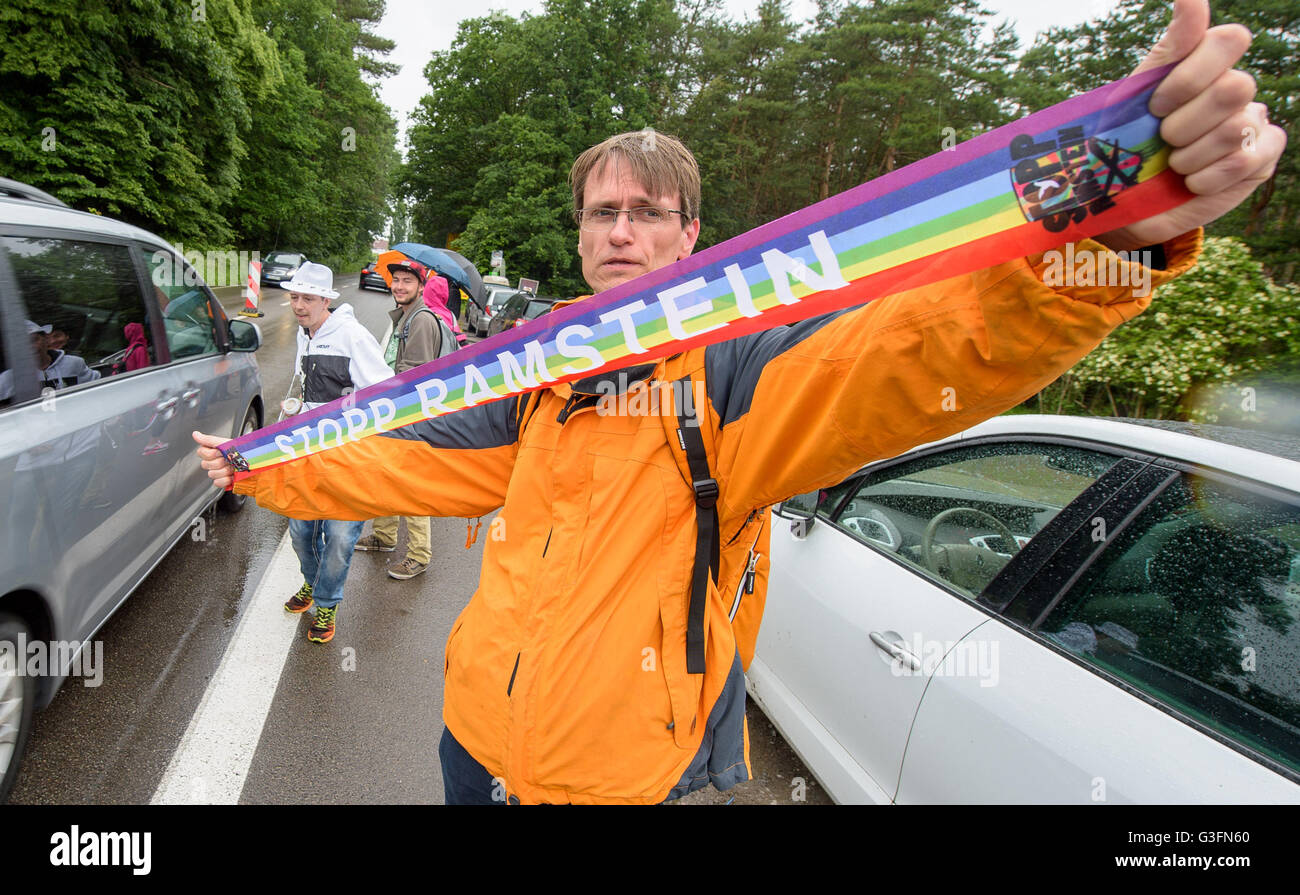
(191, 395)
(166, 404)
(896, 651)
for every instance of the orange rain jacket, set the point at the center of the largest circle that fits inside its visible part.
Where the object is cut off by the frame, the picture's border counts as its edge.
(566, 673)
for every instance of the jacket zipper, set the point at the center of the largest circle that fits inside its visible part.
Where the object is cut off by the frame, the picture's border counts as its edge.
(574, 403)
(510, 686)
(752, 514)
(746, 585)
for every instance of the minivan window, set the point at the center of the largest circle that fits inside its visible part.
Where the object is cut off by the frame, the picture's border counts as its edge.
(85, 317)
(187, 314)
(6, 376)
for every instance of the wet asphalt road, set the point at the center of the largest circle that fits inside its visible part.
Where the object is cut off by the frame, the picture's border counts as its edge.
(353, 721)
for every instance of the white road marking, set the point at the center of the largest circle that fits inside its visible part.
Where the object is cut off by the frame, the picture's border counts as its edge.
(212, 761)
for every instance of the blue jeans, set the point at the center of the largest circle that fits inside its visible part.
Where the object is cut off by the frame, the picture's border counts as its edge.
(464, 780)
(324, 548)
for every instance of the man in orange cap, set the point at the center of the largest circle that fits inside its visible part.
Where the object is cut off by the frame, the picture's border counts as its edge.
(418, 337)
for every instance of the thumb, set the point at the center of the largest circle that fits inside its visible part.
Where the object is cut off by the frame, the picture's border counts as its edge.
(208, 440)
(1190, 22)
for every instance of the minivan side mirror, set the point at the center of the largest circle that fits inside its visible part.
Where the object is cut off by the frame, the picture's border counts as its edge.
(244, 336)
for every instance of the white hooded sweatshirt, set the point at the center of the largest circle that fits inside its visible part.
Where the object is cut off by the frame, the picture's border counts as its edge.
(342, 357)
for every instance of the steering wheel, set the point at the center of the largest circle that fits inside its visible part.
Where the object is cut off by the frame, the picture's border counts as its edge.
(870, 523)
(927, 541)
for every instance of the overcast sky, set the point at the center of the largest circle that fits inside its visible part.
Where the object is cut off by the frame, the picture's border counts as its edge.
(420, 27)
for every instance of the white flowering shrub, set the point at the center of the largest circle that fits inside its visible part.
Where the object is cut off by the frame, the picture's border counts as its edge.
(1215, 329)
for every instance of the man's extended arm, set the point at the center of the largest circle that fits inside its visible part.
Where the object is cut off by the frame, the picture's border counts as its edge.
(802, 407)
(418, 470)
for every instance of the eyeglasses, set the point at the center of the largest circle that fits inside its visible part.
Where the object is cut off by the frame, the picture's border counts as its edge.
(599, 219)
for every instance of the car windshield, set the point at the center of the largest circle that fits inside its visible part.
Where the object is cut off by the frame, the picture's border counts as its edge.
(537, 307)
(282, 258)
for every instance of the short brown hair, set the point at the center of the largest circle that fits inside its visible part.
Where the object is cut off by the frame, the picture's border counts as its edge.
(659, 162)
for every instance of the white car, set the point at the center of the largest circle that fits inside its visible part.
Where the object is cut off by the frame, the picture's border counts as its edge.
(1045, 609)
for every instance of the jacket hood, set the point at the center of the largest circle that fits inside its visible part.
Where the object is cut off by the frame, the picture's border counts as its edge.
(435, 299)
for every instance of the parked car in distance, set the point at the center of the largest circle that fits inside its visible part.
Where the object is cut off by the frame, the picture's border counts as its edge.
(497, 290)
(518, 309)
(280, 266)
(1045, 609)
(97, 472)
(371, 278)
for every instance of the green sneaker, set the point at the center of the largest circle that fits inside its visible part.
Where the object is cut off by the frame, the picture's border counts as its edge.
(301, 601)
(322, 629)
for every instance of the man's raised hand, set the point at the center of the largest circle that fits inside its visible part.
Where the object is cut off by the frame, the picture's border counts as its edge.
(1221, 139)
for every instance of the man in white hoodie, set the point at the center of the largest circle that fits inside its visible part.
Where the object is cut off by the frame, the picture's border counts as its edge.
(58, 368)
(336, 356)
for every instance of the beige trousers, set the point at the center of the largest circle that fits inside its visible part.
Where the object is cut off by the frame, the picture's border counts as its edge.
(417, 530)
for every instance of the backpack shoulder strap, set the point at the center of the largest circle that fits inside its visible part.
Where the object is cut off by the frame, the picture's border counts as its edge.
(706, 521)
(525, 407)
(446, 338)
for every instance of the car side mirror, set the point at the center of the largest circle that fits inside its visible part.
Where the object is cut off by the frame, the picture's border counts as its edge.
(801, 510)
(244, 336)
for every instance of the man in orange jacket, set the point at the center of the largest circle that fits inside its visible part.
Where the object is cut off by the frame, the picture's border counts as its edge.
(566, 675)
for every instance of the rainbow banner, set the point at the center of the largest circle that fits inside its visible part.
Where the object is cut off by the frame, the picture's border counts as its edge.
(1080, 168)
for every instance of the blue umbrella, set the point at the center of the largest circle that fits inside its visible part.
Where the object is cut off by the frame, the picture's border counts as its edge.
(453, 266)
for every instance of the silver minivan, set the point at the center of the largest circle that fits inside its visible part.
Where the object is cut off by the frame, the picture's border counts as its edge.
(112, 350)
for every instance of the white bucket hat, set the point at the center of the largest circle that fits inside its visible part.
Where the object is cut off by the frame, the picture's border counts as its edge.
(312, 279)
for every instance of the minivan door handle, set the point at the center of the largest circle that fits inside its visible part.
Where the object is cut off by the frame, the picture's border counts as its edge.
(166, 404)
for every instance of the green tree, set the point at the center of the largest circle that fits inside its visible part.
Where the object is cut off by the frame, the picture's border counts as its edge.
(744, 122)
(210, 124)
(127, 108)
(511, 104)
(788, 115)
(320, 167)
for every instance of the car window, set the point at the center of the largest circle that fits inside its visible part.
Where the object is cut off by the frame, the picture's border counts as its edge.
(1196, 604)
(961, 515)
(537, 308)
(187, 313)
(515, 306)
(86, 318)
